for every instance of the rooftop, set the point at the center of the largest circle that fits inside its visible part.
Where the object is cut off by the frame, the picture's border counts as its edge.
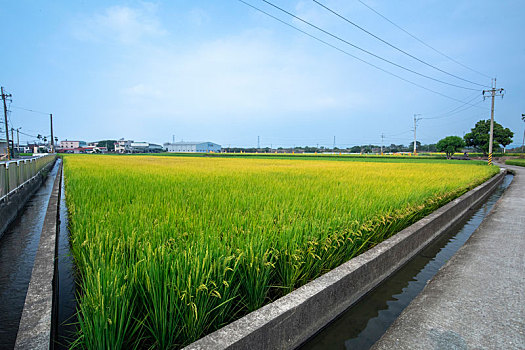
(184, 143)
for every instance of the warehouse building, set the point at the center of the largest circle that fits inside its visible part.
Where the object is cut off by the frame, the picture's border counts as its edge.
(130, 146)
(204, 147)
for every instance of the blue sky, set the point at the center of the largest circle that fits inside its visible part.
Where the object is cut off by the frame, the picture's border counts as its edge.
(221, 71)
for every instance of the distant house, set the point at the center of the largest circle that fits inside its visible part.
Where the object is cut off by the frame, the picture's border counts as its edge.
(196, 147)
(72, 144)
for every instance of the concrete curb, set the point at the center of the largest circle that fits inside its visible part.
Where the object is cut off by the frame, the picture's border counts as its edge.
(12, 204)
(292, 319)
(35, 329)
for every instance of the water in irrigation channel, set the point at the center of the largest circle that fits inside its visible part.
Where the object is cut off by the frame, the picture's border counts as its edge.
(364, 323)
(66, 320)
(18, 248)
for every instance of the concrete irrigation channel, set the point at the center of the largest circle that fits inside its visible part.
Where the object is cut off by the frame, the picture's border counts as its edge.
(286, 323)
(364, 323)
(476, 301)
(22, 210)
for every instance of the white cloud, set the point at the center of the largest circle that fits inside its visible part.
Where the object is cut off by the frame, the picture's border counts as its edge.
(122, 24)
(252, 76)
(245, 75)
(198, 17)
(142, 91)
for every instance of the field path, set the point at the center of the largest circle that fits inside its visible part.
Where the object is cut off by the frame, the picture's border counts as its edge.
(476, 301)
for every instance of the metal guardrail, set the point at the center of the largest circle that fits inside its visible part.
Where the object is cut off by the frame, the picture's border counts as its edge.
(15, 173)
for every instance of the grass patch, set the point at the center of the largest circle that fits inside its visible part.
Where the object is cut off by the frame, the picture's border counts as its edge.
(518, 162)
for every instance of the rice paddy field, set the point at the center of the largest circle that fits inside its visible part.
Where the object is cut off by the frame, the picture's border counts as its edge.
(518, 162)
(169, 249)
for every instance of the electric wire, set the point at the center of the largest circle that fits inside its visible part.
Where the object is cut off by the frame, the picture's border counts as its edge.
(30, 110)
(422, 42)
(453, 112)
(465, 103)
(395, 47)
(347, 53)
(470, 98)
(366, 51)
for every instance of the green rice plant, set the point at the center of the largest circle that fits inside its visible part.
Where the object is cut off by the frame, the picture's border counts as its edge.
(169, 249)
(518, 162)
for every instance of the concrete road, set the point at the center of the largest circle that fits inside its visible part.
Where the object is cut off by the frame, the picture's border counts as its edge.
(477, 300)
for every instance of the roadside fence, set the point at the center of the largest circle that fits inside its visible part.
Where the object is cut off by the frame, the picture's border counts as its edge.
(15, 173)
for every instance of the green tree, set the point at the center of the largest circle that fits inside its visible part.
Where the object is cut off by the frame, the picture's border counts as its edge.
(110, 144)
(450, 145)
(479, 137)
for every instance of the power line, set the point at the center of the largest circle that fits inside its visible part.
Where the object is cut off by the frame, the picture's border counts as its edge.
(23, 133)
(347, 53)
(30, 110)
(422, 42)
(452, 113)
(469, 98)
(366, 51)
(458, 109)
(395, 47)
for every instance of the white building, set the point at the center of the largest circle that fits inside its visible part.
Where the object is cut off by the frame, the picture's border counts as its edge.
(205, 147)
(72, 144)
(130, 146)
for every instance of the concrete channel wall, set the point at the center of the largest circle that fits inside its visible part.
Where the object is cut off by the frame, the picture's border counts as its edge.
(19, 180)
(291, 320)
(36, 328)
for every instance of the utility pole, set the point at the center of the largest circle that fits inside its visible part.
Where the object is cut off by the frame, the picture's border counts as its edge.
(382, 140)
(18, 139)
(493, 92)
(416, 119)
(4, 97)
(333, 149)
(173, 139)
(258, 143)
(52, 139)
(13, 142)
(523, 143)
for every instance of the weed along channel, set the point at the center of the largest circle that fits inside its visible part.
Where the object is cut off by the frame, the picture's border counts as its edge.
(169, 249)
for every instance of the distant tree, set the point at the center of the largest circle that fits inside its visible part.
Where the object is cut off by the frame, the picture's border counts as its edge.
(393, 148)
(310, 149)
(411, 146)
(429, 148)
(367, 149)
(450, 145)
(355, 149)
(110, 144)
(479, 136)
